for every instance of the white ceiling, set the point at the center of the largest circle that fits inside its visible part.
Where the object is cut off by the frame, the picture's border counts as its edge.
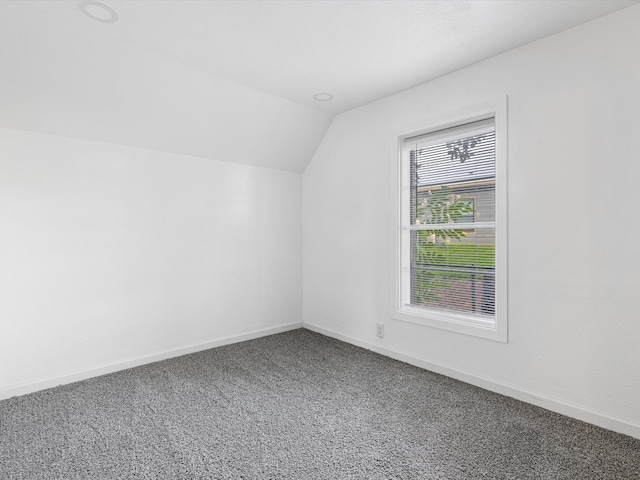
(234, 80)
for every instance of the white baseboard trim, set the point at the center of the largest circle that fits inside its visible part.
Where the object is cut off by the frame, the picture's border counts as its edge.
(43, 384)
(563, 407)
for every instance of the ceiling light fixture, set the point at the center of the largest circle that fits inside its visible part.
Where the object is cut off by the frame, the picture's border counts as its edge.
(98, 11)
(323, 97)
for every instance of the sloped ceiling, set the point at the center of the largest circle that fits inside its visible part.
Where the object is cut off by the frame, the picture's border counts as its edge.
(235, 80)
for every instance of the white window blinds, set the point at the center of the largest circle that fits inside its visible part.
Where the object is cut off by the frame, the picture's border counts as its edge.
(448, 221)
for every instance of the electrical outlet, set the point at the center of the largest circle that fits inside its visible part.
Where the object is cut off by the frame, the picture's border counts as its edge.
(380, 330)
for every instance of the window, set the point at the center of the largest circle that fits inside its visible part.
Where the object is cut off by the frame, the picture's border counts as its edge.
(451, 233)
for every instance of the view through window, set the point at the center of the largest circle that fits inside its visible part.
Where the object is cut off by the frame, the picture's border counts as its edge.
(449, 221)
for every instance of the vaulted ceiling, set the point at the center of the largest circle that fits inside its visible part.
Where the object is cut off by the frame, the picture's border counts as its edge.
(236, 80)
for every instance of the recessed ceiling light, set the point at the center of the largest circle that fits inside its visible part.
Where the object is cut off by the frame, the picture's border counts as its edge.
(98, 11)
(323, 97)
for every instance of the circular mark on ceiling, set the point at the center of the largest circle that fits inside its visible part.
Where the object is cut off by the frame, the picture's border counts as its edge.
(323, 97)
(98, 11)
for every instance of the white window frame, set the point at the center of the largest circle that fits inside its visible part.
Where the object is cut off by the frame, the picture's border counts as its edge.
(451, 321)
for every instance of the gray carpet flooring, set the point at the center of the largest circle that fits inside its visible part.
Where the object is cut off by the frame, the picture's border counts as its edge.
(297, 405)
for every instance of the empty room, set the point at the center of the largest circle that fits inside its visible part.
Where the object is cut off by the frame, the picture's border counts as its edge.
(319, 239)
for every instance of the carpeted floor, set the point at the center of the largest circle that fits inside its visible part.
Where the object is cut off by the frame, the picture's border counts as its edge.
(296, 405)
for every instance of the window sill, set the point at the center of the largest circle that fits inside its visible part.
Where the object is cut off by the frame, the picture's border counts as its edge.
(476, 326)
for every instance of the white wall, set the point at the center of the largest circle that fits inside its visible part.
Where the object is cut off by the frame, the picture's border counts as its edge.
(574, 255)
(112, 256)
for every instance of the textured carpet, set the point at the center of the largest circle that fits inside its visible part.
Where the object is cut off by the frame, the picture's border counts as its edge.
(296, 405)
